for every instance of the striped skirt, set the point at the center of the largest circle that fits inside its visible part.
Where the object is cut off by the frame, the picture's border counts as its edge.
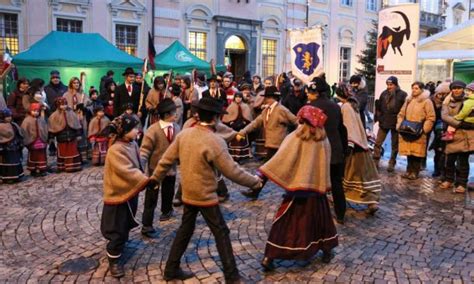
(69, 159)
(11, 169)
(361, 179)
(98, 152)
(260, 150)
(37, 160)
(240, 150)
(302, 226)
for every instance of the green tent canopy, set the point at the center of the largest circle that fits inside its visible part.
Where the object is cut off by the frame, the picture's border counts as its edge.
(179, 59)
(73, 53)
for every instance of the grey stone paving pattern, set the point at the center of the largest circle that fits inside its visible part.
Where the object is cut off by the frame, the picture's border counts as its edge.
(420, 234)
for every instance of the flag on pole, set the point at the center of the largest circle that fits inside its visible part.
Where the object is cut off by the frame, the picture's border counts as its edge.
(306, 53)
(151, 52)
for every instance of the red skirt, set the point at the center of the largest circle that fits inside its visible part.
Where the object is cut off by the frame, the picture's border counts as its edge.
(302, 226)
(98, 152)
(37, 160)
(69, 159)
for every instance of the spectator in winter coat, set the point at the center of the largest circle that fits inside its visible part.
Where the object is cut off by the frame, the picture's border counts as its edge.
(15, 100)
(295, 99)
(387, 108)
(54, 89)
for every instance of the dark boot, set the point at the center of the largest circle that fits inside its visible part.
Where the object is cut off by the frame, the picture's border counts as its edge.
(178, 275)
(391, 166)
(267, 264)
(251, 193)
(116, 268)
(327, 256)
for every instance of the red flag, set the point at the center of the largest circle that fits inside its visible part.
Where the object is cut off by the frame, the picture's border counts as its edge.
(151, 51)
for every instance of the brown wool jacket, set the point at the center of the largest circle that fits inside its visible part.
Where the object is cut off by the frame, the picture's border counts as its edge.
(201, 152)
(154, 144)
(123, 178)
(276, 128)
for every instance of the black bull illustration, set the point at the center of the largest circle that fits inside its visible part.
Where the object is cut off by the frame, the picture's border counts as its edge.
(393, 37)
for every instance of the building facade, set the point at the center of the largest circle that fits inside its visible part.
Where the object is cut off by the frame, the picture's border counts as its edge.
(458, 12)
(252, 34)
(124, 23)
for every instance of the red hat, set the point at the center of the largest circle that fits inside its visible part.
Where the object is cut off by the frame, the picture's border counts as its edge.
(35, 106)
(312, 115)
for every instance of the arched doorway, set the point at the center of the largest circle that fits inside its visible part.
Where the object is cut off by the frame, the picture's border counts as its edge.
(236, 56)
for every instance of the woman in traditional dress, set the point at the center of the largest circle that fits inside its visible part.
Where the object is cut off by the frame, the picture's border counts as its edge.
(154, 97)
(11, 145)
(303, 224)
(36, 138)
(108, 98)
(65, 126)
(361, 179)
(189, 95)
(77, 100)
(97, 138)
(237, 117)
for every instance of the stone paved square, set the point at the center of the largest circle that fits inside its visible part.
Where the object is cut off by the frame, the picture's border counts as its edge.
(420, 234)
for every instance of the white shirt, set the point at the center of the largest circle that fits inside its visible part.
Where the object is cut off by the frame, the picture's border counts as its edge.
(200, 90)
(166, 127)
(131, 88)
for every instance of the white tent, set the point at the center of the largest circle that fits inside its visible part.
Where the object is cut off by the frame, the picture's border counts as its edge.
(438, 53)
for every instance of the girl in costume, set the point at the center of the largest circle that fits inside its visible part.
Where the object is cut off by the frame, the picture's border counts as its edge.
(361, 179)
(96, 137)
(238, 116)
(303, 224)
(11, 145)
(64, 125)
(36, 138)
(123, 181)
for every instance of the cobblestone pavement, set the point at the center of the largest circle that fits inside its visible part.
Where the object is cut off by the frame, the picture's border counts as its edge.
(420, 234)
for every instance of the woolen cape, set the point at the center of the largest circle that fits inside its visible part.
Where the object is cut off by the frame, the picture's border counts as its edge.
(123, 177)
(94, 127)
(351, 120)
(233, 112)
(7, 131)
(300, 165)
(32, 130)
(58, 121)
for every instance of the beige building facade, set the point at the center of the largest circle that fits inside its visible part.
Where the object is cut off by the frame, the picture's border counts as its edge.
(124, 23)
(252, 34)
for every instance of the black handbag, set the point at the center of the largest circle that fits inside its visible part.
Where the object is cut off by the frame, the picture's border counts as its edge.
(410, 130)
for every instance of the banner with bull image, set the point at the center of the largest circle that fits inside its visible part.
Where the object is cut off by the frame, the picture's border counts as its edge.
(397, 46)
(306, 53)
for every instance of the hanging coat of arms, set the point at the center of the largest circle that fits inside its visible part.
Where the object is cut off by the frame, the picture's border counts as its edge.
(306, 57)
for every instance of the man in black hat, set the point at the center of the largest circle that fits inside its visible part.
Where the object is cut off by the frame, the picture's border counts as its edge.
(319, 96)
(275, 120)
(127, 93)
(214, 91)
(296, 98)
(387, 108)
(201, 152)
(157, 139)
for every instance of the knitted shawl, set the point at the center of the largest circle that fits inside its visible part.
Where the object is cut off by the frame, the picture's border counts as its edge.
(94, 128)
(7, 131)
(300, 165)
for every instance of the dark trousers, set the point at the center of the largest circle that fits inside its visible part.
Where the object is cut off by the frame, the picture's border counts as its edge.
(381, 135)
(457, 168)
(151, 200)
(337, 174)
(222, 189)
(414, 164)
(214, 219)
(270, 153)
(116, 223)
(439, 160)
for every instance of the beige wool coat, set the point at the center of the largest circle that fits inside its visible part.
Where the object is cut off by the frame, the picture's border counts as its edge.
(154, 145)
(419, 109)
(463, 140)
(276, 128)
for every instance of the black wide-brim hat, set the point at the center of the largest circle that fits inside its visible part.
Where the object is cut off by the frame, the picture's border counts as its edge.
(213, 78)
(166, 105)
(129, 71)
(210, 104)
(271, 91)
